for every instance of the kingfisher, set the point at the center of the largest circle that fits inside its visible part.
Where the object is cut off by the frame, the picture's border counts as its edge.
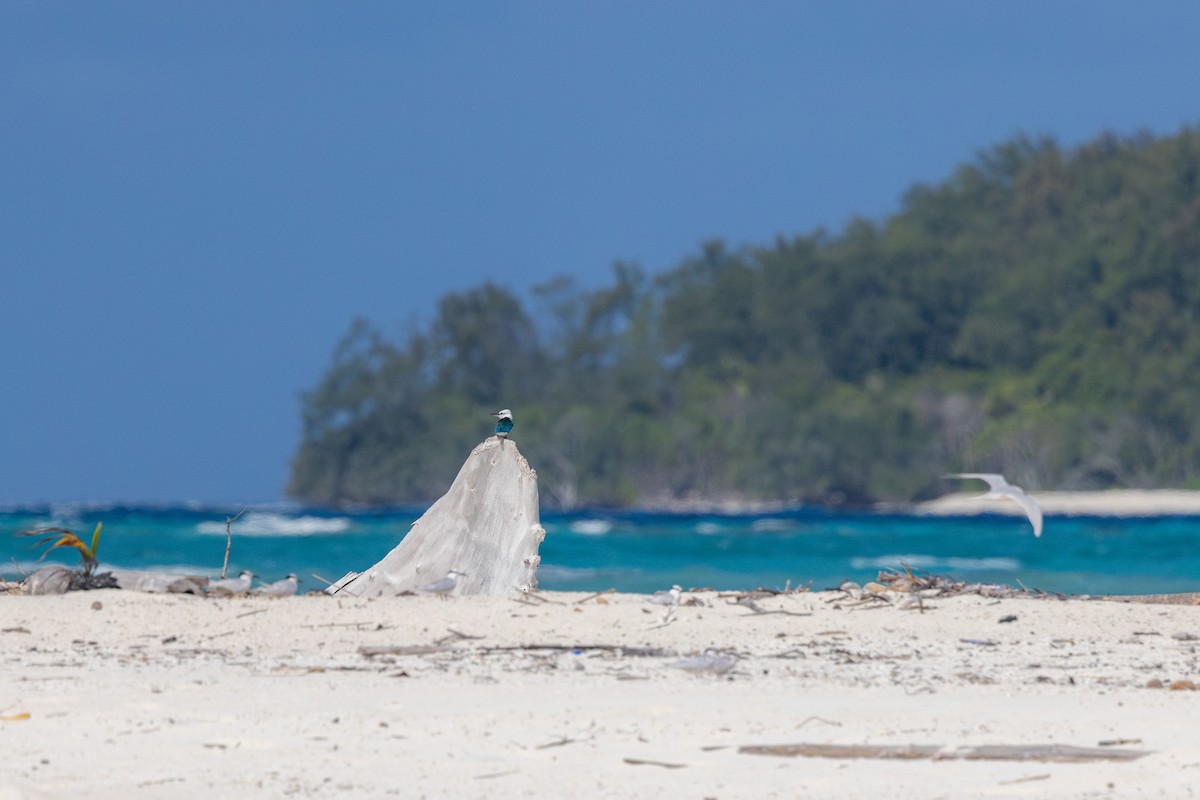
(504, 422)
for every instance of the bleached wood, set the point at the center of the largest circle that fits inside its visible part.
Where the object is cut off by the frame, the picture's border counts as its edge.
(487, 525)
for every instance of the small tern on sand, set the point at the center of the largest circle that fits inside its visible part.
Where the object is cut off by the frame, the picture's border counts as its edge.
(1000, 489)
(285, 587)
(443, 586)
(231, 586)
(668, 597)
(711, 660)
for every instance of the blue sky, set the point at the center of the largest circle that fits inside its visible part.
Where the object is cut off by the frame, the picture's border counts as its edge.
(196, 199)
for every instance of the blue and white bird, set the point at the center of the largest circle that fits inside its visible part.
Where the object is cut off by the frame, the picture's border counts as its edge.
(504, 422)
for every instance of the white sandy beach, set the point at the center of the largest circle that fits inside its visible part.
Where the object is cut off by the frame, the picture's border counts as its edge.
(115, 694)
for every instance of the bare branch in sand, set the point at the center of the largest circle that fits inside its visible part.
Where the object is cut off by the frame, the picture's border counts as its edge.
(818, 719)
(229, 539)
(456, 636)
(372, 650)
(639, 762)
(594, 596)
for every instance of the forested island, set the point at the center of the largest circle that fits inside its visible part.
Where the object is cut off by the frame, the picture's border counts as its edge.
(1036, 314)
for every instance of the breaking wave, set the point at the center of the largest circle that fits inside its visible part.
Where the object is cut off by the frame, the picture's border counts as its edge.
(591, 527)
(266, 523)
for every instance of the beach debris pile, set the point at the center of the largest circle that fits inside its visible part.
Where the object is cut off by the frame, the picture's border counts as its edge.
(907, 588)
(59, 579)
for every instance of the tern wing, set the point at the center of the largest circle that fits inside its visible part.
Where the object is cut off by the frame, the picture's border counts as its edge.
(994, 481)
(1029, 505)
(442, 585)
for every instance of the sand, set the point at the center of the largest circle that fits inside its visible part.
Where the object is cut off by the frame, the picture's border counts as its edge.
(112, 694)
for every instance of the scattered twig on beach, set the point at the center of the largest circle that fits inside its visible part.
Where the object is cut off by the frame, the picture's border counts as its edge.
(667, 619)
(497, 774)
(372, 650)
(979, 642)
(251, 613)
(229, 539)
(748, 601)
(640, 762)
(819, 719)
(540, 599)
(1042, 777)
(594, 596)
(623, 650)
(439, 646)
(556, 743)
(795, 652)
(455, 636)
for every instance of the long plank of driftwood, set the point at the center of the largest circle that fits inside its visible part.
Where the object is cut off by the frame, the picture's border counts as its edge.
(370, 650)
(991, 752)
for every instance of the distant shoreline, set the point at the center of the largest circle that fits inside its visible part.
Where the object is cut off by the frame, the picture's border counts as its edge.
(1106, 503)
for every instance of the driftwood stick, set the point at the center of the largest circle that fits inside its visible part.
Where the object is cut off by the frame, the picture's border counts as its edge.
(251, 613)
(229, 540)
(644, 763)
(819, 719)
(655, 652)
(455, 636)
(372, 650)
(556, 743)
(594, 596)
(1059, 753)
(540, 599)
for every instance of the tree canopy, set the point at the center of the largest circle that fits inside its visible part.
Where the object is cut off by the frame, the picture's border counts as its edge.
(1036, 314)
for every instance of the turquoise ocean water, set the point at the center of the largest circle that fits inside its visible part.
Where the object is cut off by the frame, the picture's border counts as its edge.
(641, 552)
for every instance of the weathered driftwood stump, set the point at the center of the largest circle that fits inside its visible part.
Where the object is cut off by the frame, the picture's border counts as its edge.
(485, 526)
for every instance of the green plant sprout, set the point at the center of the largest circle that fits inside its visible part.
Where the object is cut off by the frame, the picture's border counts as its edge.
(63, 537)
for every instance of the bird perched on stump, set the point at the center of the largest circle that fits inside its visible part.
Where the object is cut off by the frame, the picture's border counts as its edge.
(504, 422)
